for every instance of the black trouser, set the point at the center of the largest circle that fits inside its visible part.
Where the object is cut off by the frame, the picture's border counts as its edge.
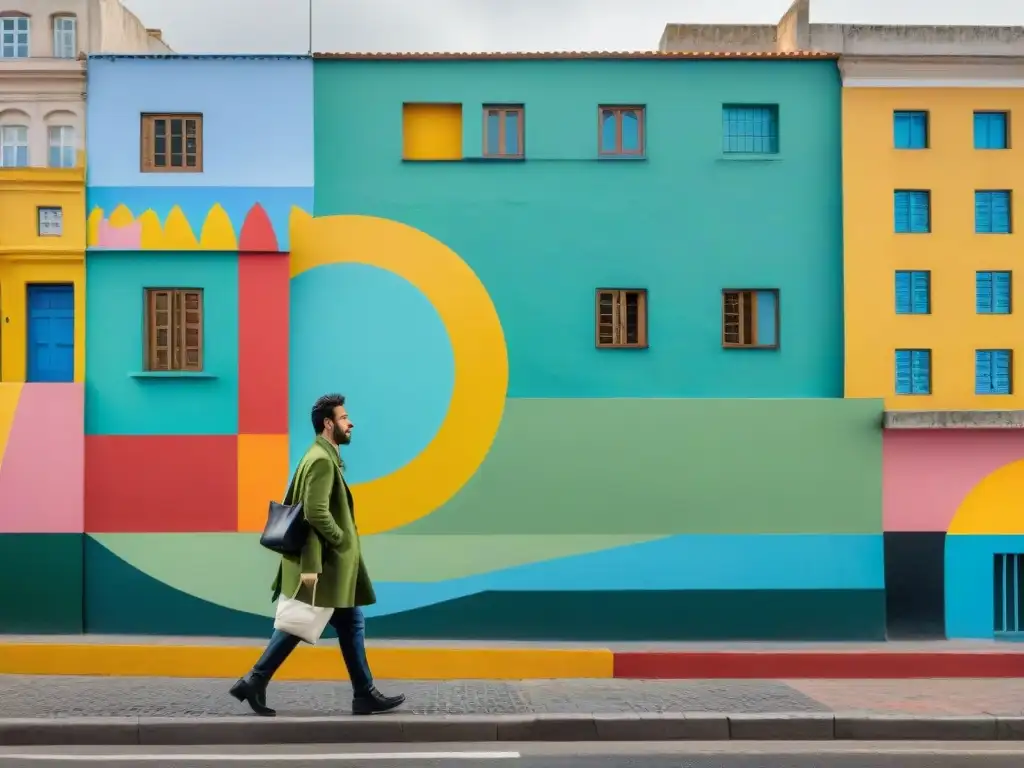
(351, 628)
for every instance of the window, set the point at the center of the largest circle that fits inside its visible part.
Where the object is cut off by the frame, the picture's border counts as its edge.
(50, 221)
(621, 317)
(993, 372)
(503, 131)
(913, 211)
(172, 143)
(910, 130)
(65, 44)
(992, 293)
(990, 130)
(992, 212)
(750, 318)
(174, 329)
(621, 131)
(62, 150)
(913, 371)
(913, 293)
(14, 31)
(13, 146)
(751, 130)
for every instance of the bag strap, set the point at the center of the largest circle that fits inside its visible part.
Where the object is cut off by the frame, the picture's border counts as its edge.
(287, 501)
(296, 592)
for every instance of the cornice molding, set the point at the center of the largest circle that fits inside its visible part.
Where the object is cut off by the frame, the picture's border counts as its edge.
(932, 71)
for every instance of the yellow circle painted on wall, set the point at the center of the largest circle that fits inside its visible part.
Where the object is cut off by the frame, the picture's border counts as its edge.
(478, 345)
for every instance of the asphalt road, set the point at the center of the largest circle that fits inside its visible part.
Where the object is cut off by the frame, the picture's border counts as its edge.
(621, 755)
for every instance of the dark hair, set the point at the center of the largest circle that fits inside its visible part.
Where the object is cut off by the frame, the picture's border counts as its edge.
(323, 408)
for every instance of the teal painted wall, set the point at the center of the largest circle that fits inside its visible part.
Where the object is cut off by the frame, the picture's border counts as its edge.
(118, 403)
(684, 223)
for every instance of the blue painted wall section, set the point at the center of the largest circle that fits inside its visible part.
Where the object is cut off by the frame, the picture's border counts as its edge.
(119, 398)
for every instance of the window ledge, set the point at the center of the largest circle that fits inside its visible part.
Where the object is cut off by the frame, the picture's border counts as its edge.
(620, 158)
(495, 159)
(751, 157)
(171, 375)
(762, 347)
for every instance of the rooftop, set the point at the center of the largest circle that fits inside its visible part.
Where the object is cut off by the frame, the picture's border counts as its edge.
(572, 55)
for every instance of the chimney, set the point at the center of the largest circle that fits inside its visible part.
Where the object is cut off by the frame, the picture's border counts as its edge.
(156, 33)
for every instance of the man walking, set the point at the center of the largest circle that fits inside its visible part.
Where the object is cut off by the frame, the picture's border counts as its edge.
(331, 561)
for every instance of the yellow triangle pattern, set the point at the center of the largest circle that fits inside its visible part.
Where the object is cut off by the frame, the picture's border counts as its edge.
(175, 234)
(9, 396)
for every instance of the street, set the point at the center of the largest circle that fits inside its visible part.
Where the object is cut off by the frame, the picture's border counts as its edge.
(582, 755)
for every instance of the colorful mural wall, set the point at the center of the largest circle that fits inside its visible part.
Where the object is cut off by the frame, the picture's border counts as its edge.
(513, 479)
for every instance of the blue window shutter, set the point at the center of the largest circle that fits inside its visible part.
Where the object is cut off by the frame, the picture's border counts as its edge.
(997, 131)
(982, 212)
(919, 130)
(903, 372)
(1001, 293)
(919, 203)
(983, 293)
(901, 206)
(903, 300)
(1001, 212)
(901, 130)
(920, 292)
(512, 118)
(1001, 372)
(921, 371)
(983, 372)
(981, 128)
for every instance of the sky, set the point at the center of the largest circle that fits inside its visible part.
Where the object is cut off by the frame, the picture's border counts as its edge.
(282, 26)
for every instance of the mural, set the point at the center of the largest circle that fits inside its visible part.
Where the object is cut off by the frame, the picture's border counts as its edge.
(41, 518)
(950, 506)
(203, 218)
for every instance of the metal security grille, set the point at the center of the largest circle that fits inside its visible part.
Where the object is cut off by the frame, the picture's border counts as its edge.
(1008, 583)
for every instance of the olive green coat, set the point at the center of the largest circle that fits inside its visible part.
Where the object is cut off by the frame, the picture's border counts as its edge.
(332, 549)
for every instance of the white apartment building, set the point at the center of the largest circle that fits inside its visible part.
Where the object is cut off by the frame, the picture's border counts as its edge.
(43, 44)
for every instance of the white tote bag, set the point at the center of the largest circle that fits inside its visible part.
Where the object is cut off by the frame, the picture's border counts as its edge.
(304, 621)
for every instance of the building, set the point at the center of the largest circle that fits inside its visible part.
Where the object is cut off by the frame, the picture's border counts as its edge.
(931, 157)
(573, 314)
(42, 275)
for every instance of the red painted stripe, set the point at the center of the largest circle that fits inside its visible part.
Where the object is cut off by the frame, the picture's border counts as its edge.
(836, 665)
(257, 231)
(263, 286)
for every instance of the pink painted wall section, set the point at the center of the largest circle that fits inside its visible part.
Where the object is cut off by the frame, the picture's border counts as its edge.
(926, 474)
(42, 469)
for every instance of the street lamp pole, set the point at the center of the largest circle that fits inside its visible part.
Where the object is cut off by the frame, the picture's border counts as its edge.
(310, 14)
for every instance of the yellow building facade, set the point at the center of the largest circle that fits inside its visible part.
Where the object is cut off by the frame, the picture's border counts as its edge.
(951, 170)
(42, 246)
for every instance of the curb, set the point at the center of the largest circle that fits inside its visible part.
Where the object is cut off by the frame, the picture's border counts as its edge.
(667, 726)
(306, 664)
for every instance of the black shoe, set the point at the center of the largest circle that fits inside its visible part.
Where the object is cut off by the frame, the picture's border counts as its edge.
(254, 693)
(373, 702)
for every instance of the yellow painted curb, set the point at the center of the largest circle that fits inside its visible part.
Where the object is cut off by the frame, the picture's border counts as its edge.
(320, 663)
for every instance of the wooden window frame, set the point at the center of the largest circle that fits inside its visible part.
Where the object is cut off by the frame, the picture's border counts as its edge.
(619, 109)
(176, 348)
(641, 342)
(505, 110)
(726, 292)
(147, 158)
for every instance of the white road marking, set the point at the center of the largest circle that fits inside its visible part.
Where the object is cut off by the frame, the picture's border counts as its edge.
(177, 757)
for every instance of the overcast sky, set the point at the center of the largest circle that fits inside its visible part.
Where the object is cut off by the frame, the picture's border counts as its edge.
(281, 26)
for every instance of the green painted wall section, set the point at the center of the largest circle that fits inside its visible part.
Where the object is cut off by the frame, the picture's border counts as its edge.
(661, 467)
(41, 586)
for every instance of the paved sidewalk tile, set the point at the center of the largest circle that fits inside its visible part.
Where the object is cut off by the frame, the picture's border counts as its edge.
(41, 696)
(918, 697)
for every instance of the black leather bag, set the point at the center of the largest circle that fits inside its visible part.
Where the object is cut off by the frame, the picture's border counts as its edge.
(286, 529)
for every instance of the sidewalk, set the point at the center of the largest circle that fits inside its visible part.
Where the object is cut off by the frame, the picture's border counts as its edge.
(194, 657)
(48, 710)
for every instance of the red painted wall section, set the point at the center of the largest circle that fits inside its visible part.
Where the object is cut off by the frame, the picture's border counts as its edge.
(161, 484)
(263, 289)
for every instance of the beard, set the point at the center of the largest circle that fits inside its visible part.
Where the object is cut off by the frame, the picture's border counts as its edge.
(340, 438)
